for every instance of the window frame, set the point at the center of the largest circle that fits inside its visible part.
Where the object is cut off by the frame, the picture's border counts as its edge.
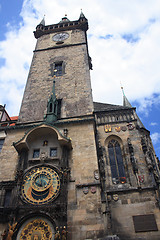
(53, 68)
(53, 148)
(34, 150)
(118, 163)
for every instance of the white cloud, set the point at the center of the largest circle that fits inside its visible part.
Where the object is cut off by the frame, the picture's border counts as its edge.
(155, 137)
(153, 124)
(136, 65)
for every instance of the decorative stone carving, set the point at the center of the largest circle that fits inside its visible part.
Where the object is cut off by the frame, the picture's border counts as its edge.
(102, 170)
(43, 156)
(85, 190)
(134, 163)
(96, 174)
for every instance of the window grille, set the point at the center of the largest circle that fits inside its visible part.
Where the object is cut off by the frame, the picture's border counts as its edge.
(36, 153)
(53, 152)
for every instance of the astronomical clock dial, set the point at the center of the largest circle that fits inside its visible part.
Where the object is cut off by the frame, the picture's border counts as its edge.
(59, 37)
(40, 185)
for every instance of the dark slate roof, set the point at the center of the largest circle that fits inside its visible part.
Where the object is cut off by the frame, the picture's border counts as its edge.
(99, 107)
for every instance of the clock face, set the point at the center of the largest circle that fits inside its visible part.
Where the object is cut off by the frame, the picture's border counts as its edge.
(40, 185)
(59, 37)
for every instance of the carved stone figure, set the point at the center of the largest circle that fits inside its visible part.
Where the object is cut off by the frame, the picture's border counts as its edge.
(101, 165)
(134, 163)
(149, 163)
(130, 145)
(43, 156)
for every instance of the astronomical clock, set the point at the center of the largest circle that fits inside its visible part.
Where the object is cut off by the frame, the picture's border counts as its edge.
(40, 185)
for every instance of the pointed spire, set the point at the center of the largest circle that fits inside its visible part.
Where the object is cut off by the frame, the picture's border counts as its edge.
(82, 15)
(43, 21)
(126, 103)
(52, 106)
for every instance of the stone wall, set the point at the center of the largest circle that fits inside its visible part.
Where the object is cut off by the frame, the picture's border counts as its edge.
(132, 198)
(73, 87)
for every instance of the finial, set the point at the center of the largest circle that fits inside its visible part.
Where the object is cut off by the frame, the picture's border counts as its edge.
(81, 14)
(54, 75)
(122, 88)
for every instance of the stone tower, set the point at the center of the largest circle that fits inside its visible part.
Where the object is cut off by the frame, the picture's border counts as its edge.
(72, 168)
(61, 51)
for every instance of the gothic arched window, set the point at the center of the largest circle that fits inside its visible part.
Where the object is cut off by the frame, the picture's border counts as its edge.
(116, 162)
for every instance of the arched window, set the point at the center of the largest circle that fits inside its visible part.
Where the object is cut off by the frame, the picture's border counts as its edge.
(116, 162)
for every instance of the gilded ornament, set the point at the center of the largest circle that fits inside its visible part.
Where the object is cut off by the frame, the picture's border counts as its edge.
(118, 129)
(37, 229)
(107, 128)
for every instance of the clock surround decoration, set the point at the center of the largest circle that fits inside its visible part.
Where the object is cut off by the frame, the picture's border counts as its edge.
(40, 185)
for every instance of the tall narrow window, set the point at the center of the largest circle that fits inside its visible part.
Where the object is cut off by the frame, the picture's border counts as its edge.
(58, 69)
(50, 108)
(116, 161)
(1, 144)
(7, 197)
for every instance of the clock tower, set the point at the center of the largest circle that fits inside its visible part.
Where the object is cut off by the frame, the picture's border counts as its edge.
(54, 158)
(71, 168)
(61, 52)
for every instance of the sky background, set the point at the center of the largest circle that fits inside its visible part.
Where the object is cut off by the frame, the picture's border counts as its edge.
(124, 44)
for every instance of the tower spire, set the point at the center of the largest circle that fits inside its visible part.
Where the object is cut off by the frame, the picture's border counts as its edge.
(43, 21)
(52, 106)
(82, 15)
(126, 103)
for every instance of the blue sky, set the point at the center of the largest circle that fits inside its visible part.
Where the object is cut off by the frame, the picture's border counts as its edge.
(9, 13)
(123, 41)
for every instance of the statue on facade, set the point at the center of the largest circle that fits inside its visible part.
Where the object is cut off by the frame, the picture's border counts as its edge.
(130, 145)
(57, 234)
(11, 231)
(102, 167)
(149, 162)
(64, 233)
(134, 163)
